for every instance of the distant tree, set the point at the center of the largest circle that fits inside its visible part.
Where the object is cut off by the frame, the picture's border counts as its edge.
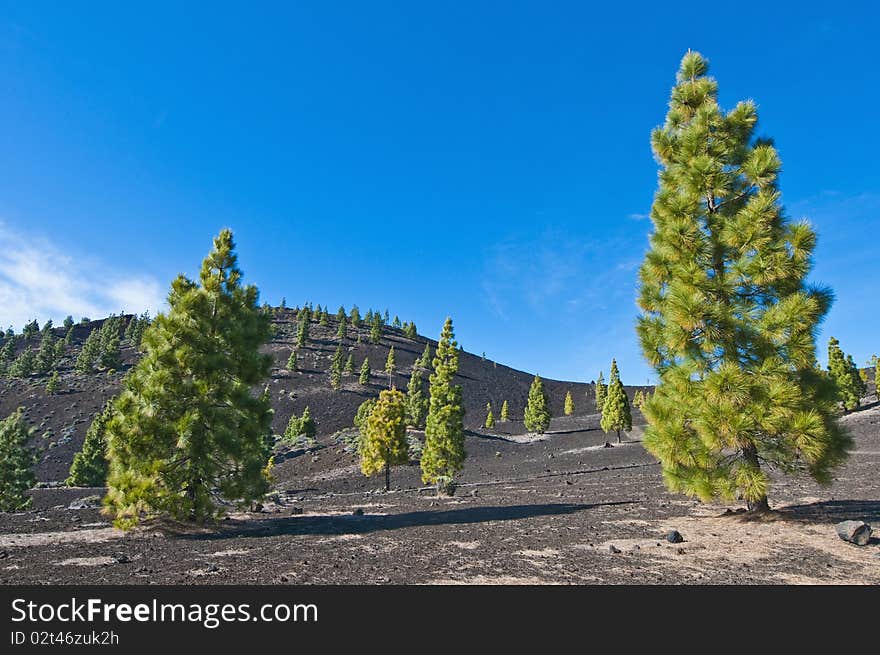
(109, 355)
(364, 378)
(128, 334)
(31, 329)
(410, 331)
(302, 336)
(46, 354)
(24, 365)
(341, 329)
(300, 428)
(505, 412)
(443, 455)
(844, 373)
(341, 314)
(417, 401)
(490, 417)
(68, 322)
(355, 317)
(638, 399)
(728, 317)
(336, 366)
(7, 355)
(324, 320)
(385, 318)
(396, 322)
(425, 362)
(616, 415)
(537, 414)
(390, 367)
(291, 362)
(363, 413)
(349, 365)
(186, 428)
(16, 463)
(601, 388)
(384, 443)
(376, 329)
(88, 355)
(90, 465)
(52, 383)
(569, 404)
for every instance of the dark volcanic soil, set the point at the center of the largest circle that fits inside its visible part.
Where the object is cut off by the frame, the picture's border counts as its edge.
(560, 510)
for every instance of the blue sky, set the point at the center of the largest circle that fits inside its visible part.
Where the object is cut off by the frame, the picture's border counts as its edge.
(485, 160)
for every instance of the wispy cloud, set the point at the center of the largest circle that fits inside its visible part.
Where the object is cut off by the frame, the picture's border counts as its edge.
(638, 217)
(40, 280)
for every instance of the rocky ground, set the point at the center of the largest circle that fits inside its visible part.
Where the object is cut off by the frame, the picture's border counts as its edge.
(562, 509)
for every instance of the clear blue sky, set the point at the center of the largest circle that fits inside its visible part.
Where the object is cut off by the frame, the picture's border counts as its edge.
(485, 160)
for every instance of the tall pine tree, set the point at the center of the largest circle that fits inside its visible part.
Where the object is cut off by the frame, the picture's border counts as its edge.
(187, 427)
(384, 442)
(728, 318)
(568, 407)
(16, 463)
(416, 400)
(601, 388)
(616, 414)
(90, 465)
(443, 455)
(537, 414)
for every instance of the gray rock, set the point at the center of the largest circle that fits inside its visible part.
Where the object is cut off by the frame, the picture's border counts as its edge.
(674, 537)
(613, 549)
(855, 532)
(86, 502)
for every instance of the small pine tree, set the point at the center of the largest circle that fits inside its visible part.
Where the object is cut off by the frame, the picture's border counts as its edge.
(384, 443)
(601, 388)
(568, 409)
(349, 365)
(341, 314)
(53, 383)
(90, 465)
(416, 400)
(88, 355)
(444, 454)
(355, 317)
(46, 354)
(425, 362)
(60, 349)
(324, 320)
(24, 365)
(68, 322)
(336, 368)
(363, 413)
(390, 367)
(537, 414)
(31, 329)
(409, 331)
(396, 322)
(186, 428)
(364, 378)
(638, 399)
(505, 412)
(490, 417)
(300, 428)
(302, 336)
(376, 329)
(844, 373)
(341, 329)
(291, 362)
(16, 463)
(616, 416)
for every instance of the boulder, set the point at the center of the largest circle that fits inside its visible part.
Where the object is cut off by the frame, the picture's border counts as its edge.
(674, 537)
(855, 532)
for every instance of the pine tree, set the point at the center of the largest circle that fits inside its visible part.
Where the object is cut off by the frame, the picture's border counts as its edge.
(728, 318)
(68, 322)
(601, 389)
(88, 355)
(341, 314)
(52, 383)
(390, 367)
(291, 362)
(385, 319)
(336, 368)
(616, 415)
(443, 455)
(349, 365)
(505, 412)
(384, 441)
(90, 465)
(16, 463)
(568, 409)
(537, 414)
(300, 428)
(7, 354)
(364, 378)
(396, 322)
(31, 329)
(341, 329)
(302, 336)
(108, 336)
(409, 331)
(425, 362)
(363, 413)
(376, 329)
(844, 373)
(490, 417)
(638, 399)
(416, 400)
(355, 317)
(324, 320)
(186, 427)
(24, 365)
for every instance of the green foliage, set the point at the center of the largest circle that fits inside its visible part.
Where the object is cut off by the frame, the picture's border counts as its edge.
(568, 409)
(52, 383)
(616, 415)
(375, 329)
(46, 354)
(291, 362)
(390, 367)
(302, 336)
(16, 463)
(443, 454)
(24, 365)
(341, 329)
(601, 389)
(186, 428)
(728, 320)
(336, 367)
(505, 412)
(490, 417)
(324, 319)
(7, 355)
(537, 413)
(349, 365)
(89, 353)
(355, 317)
(845, 375)
(109, 356)
(90, 465)
(341, 314)
(396, 324)
(301, 429)
(424, 362)
(364, 378)
(416, 401)
(638, 399)
(31, 329)
(384, 442)
(363, 413)
(409, 330)
(68, 322)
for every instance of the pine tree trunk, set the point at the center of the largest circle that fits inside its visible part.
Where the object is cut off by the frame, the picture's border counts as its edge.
(387, 476)
(618, 436)
(759, 506)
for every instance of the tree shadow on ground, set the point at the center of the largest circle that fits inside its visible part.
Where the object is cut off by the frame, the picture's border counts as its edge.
(832, 511)
(352, 524)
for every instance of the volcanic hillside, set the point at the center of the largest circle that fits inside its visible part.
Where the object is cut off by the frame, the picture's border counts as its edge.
(61, 419)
